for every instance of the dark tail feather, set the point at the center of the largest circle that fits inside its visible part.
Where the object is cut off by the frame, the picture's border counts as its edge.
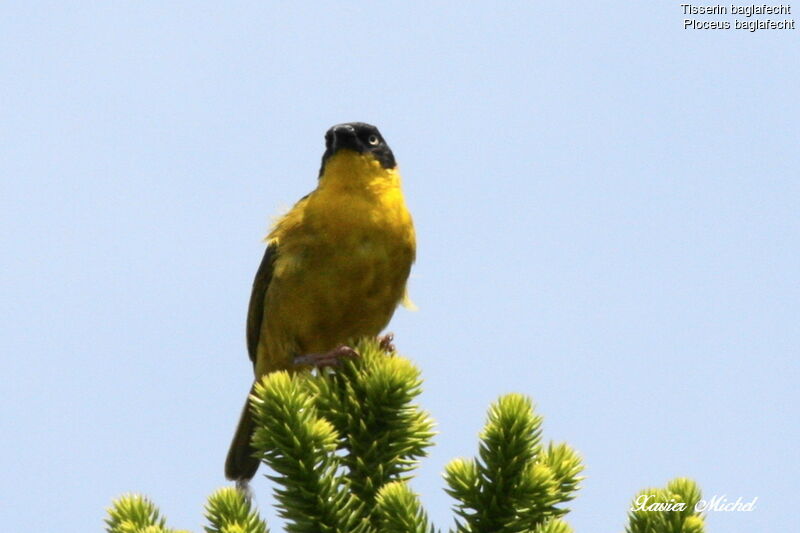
(240, 465)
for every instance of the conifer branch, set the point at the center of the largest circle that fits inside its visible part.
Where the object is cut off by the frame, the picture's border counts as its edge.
(135, 514)
(369, 401)
(667, 510)
(299, 445)
(230, 511)
(513, 485)
(554, 525)
(398, 510)
(341, 446)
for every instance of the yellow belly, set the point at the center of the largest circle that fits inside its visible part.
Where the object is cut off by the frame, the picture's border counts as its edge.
(335, 279)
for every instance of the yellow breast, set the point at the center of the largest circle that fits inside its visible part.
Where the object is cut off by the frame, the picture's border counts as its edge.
(344, 255)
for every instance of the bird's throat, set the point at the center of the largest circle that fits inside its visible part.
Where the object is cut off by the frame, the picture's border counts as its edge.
(351, 171)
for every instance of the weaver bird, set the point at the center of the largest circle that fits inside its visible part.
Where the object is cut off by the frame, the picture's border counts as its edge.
(335, 269)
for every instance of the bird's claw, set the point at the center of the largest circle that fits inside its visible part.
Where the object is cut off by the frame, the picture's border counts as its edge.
(386, 344)
(326, 359)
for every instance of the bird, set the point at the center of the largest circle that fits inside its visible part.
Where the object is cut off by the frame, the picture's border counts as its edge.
(335, 268)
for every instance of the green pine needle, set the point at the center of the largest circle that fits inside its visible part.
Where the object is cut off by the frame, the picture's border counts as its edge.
(229, 511)
(341, 445)
(135, 514)
(555, 525)
(513, 485)
(370, 403)
(399, 511)
(680, 496)
(299, 445)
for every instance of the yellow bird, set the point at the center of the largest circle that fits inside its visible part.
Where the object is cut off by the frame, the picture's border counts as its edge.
(335, 268)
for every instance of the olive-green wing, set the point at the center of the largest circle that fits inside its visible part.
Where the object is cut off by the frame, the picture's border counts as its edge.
(255, 312)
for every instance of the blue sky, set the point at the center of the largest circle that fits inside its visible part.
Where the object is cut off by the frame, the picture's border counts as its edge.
(607, 215)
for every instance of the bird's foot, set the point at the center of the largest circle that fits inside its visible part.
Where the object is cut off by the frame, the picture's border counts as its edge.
(386, 344)
(326, 359)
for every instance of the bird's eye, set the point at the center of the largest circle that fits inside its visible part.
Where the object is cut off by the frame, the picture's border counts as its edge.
(373, 140)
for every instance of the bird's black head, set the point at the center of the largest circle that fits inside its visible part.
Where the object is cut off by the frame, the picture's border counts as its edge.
(359, 137)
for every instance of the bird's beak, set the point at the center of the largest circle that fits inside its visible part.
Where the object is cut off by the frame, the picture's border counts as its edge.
(344, 136)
